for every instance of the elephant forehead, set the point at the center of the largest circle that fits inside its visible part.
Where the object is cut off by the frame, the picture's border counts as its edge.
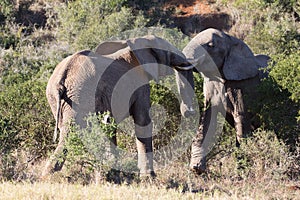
(193, 50)
(209, 36)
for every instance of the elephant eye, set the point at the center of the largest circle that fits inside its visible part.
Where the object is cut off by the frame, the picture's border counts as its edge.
(210, 44)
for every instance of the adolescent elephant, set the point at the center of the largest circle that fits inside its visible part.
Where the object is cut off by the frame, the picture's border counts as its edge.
(115, 78)
(231, 75)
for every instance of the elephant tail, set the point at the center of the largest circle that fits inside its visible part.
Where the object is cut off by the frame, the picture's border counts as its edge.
(60, 90)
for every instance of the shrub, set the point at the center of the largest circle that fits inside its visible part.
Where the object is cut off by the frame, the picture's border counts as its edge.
(275, 33)
(279, 114)
(84, 24)
(91, 156)
(26, 123)
(286, 72)
(6, 10)
(272, 27)
(260, 157)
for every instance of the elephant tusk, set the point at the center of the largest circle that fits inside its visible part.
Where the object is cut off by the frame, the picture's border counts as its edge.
(197, 61)
(193, 61)
(186, 68)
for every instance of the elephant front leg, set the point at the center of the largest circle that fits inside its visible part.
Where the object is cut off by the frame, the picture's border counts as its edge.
(242, 124)
(145, 149)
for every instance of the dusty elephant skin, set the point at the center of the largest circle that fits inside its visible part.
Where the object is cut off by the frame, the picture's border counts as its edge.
(231, 75)
(115, 78)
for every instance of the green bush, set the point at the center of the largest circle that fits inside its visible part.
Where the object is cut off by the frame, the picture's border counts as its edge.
(260, 157)
(7, 39)
(90, 154)
(286, 72)
(278, 114)
(6, 10)
(85, 24)
(274, 33)
(272, 27)
(26, 123)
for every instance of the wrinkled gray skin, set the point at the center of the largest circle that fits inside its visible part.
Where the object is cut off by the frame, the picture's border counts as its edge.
(231, 74)
(96, 82)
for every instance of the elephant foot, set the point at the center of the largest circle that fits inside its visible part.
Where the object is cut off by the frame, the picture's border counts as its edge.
(51, 167)
(198, 164)
(198, 169)
(46, 173)
(151, 174)
(58, 166)
(147, 178)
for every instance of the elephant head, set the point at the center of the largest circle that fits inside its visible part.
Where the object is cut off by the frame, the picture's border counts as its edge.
(225, 56)
(157, 57)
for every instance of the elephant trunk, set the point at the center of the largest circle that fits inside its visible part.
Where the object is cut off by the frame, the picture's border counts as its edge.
(198, 153)
(198, 159)
(185, 83)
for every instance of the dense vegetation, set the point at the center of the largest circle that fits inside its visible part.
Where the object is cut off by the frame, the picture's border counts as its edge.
(37, 34)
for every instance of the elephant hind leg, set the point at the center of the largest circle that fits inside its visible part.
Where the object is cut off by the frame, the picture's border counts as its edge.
(57, 159)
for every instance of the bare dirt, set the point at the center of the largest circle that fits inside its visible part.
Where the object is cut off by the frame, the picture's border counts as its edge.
(193, 16)
(191, 7)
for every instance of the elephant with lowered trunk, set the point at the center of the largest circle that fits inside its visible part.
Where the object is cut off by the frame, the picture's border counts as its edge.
(231, 75)
(115, 78)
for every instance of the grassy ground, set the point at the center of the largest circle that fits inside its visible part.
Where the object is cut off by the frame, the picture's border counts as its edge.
(269, 172)
(241, 190)
(70, 191)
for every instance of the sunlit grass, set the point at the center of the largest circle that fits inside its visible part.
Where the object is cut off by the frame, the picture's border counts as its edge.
(237, 190)
(74, 191)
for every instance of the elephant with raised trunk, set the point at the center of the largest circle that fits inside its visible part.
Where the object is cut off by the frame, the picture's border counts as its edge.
(115, 78)
(231, 75)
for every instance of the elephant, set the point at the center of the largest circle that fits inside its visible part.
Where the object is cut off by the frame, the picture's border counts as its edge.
(115, 78)
(231, 74)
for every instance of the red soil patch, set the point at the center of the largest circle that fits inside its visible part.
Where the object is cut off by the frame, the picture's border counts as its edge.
(190, 7)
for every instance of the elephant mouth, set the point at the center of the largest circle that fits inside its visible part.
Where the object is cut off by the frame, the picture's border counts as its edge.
(197, 61)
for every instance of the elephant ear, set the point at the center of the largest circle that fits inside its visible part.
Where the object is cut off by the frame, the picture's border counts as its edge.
(107, 48)
(116, 50)
(142, 48)
(240, 62)
(263, 62)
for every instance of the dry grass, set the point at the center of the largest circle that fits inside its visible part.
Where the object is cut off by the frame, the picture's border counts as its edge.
(270, 173)
(172, 182)
(229, 190)
(70, 191)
